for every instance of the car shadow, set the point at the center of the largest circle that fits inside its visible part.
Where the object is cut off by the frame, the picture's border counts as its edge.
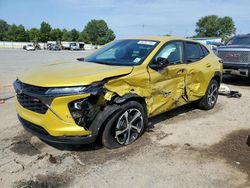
(236, 80)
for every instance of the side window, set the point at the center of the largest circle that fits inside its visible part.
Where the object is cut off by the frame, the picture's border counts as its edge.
(193, 52)
(172, 52)
(205, 50)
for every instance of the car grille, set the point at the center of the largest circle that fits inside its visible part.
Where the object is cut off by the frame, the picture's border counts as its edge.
(30, 88)
(235, 56)
(32, 103)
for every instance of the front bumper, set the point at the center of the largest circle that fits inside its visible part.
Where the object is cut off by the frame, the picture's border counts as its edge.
(57, 121)
(239, 69)
(44, 135)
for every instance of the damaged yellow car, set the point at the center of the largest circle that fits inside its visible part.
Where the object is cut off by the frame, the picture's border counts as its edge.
(111, 93)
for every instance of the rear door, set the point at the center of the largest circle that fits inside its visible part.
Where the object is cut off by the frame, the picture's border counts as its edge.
(199, 69)
(168, 84)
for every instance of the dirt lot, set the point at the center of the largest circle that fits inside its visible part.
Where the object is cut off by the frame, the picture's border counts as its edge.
(187, 147)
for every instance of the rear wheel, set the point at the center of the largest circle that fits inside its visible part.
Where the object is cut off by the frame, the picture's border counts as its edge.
(125, 127)
(211, 96)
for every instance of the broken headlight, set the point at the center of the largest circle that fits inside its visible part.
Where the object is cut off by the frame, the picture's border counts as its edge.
(85, 110)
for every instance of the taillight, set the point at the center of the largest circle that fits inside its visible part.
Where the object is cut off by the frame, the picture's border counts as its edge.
(220, 61)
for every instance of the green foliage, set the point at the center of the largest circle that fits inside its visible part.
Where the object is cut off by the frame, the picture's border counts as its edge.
(16, 33)
(214, 26)
(3, 29)
(45, 29)
(97, 32)
(34, 34)
(74, 34)
(56, 35)
(65, 35)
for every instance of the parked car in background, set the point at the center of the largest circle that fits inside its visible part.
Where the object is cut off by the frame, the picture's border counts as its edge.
(236, 55)
(111, 93)
(54, 47)
(29, 47)
(74, 46)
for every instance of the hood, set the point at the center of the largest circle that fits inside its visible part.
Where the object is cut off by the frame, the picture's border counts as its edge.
(74, 73)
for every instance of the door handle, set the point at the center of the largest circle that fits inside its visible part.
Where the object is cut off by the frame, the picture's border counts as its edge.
(208, 65)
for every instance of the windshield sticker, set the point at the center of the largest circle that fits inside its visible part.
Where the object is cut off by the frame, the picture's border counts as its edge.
(137, 60)
(151, 43)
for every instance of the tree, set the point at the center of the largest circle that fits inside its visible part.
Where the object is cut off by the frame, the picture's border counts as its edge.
(45, 29)
(34, 34)
(97, 32)
(65, 35)
(4, 26)
(74, 34)
(56, 35)
(17, 33)
(214, 26)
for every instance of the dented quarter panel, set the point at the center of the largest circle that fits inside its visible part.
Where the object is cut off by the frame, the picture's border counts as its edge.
(199, 74)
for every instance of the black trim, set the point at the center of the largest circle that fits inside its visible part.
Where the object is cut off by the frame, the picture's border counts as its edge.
(44, 135)
(218, 74)
(185, 54)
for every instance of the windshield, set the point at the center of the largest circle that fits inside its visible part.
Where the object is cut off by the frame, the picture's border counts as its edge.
(123, 52)
(239, 41)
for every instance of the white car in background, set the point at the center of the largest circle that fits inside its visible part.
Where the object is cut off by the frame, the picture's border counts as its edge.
(30, 47)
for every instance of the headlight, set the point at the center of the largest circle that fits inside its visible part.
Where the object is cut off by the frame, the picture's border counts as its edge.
(65, 91)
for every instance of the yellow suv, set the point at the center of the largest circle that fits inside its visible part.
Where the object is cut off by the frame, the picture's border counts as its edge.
(111, 93)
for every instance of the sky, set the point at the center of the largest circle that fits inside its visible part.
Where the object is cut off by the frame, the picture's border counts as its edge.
(126, 17)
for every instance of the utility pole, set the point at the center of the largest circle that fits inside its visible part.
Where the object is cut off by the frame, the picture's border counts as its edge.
(143, 29)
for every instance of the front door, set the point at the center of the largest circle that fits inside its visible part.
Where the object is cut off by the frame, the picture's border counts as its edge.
(168, 84)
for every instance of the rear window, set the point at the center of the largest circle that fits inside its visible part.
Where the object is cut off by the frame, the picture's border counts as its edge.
(205, 50)
(193, 52)
(239, 41)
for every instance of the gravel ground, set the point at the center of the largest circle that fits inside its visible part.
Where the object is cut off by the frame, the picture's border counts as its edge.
(187, 147)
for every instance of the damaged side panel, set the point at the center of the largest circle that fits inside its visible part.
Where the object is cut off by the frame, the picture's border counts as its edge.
(198, 77)
(135, 83)
(168, 88)
(162, 90)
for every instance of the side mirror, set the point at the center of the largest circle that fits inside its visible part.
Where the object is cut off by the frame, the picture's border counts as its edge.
(159, 64)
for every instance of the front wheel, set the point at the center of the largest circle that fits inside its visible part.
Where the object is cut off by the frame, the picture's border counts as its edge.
(211, 96)
(125, 127)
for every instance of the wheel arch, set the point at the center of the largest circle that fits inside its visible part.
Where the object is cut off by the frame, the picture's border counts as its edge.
(113, 107)
(218, 77)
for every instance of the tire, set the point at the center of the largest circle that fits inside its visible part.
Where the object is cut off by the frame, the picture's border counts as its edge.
(211, 96)
(125, 126)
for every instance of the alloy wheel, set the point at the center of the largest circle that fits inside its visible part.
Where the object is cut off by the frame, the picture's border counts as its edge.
(212, 94)
(129, 126)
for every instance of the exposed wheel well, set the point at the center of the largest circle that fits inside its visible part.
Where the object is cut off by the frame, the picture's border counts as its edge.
(217, 78)
(120, 101)
(132, 97)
